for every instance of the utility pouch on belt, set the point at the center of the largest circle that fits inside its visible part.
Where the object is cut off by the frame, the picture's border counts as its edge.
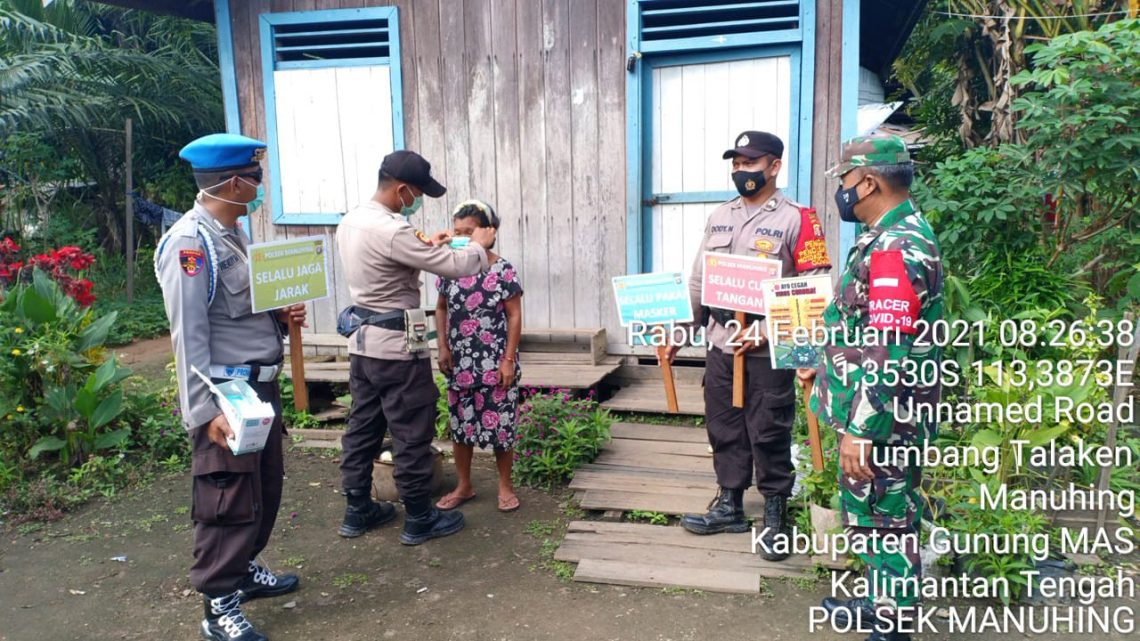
(416, 329)
(352, 317)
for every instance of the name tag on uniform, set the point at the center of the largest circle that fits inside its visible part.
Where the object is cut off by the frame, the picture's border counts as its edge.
(242, 372)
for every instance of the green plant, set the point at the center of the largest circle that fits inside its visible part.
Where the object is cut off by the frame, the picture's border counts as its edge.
(1078, 113)
(71, 73)
(442, 413)
(293, 418)
(55, 375)
(347, 580)
(540, 529)
(654, 518)
(556, 434)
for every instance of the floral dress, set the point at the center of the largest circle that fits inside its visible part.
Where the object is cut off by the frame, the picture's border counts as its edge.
(482, 413)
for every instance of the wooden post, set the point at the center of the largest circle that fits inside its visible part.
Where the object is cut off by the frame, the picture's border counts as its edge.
(130, 222)
(738, 371)
(297, 364)
(813, 427)
(670, 383)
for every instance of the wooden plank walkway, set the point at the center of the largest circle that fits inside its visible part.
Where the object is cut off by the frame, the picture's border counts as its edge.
(649, 397)
(664, 469)
(656, 468)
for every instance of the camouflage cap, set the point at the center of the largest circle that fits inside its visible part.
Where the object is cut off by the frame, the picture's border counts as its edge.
(870, 151)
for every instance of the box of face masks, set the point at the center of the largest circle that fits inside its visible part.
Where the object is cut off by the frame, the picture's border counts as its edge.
(249, 417)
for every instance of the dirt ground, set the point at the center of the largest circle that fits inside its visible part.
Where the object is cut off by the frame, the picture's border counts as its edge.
(117, 571)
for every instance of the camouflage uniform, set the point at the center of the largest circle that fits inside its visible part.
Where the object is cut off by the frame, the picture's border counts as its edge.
(893, 278)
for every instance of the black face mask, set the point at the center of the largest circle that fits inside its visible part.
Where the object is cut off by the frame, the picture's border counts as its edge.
(845, 199)
(749, 183)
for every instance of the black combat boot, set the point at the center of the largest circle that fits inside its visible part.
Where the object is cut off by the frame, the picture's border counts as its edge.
(225, 622)
(842, 612)
(363, 514)
(726, 514)
(423, 522)
(775, 525)
(261, 583)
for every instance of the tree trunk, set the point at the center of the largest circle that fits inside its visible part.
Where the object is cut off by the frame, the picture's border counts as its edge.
(999, 33)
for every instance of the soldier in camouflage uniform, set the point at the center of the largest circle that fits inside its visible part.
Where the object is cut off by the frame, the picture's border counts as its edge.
(891, 286)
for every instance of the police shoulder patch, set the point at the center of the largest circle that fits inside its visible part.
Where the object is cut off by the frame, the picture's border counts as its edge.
(422, 236)
(811, 249)
(892, 303)
(192, 261)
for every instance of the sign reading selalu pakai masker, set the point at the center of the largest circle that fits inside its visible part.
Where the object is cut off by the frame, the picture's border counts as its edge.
(286, 272)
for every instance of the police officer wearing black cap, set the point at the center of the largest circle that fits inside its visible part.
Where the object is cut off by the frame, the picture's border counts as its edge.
(393, 390)
(757, 438)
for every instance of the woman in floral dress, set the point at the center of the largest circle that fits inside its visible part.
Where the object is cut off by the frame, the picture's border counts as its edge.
(481, 318)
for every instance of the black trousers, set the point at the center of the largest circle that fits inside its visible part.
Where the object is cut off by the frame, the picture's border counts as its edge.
(757, 436)
(397, 397)
(235, 502)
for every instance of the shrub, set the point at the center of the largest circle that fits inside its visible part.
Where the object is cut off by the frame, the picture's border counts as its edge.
(556, 435)
(70, 414)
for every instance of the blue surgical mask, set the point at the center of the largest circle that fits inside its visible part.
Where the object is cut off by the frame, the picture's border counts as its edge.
(254, 204)
(408, 210)
(459, 242)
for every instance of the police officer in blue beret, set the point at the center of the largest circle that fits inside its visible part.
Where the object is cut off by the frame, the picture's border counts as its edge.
(201, 264)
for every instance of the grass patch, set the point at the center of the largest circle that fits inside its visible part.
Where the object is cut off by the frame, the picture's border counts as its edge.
(347, 580)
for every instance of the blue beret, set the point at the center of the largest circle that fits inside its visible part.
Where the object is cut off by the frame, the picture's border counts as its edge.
(223, 152)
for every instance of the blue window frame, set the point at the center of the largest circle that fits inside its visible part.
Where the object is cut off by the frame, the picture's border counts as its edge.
(325, 39)
(671, 32)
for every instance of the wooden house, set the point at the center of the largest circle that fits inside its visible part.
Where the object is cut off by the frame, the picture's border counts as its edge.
(595, 127)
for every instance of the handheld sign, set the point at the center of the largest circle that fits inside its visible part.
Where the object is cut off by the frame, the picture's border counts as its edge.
(655, 299)
(795, 305)
(736, 282)
(284, 273)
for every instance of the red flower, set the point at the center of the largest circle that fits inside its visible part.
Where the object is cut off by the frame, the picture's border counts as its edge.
(82, 293)
(81, 262)
(8, 246)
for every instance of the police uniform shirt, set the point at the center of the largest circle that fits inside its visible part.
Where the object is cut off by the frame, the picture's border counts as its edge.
(780, 229)
(198, 255)
(383, 256)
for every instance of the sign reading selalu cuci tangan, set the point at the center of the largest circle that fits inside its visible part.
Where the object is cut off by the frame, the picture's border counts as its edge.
(286, 272)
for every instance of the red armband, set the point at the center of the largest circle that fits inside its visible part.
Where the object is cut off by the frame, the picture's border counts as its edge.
(892, 302)
(811, 250)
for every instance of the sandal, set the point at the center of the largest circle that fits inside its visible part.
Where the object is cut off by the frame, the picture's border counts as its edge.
(452, 500)
(509, 504)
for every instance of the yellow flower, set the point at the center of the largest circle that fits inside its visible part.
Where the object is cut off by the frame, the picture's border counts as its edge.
(19, 330)
(8, 417)
(19, 408)
(16, 352)
(973, 500)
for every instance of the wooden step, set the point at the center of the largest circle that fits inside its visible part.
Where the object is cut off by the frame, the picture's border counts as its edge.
(639, 554)
(649, 397)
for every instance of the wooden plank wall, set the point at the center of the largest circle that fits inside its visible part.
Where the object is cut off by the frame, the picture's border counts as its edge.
(517, 102)
(826, 116)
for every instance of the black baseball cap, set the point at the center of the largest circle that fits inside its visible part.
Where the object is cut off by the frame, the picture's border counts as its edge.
(753, 144)
(410, 167)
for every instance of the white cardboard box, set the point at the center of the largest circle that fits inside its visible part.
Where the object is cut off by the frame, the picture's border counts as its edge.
(250, 418)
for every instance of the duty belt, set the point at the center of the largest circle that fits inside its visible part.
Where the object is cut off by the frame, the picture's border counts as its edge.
(256, 373)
